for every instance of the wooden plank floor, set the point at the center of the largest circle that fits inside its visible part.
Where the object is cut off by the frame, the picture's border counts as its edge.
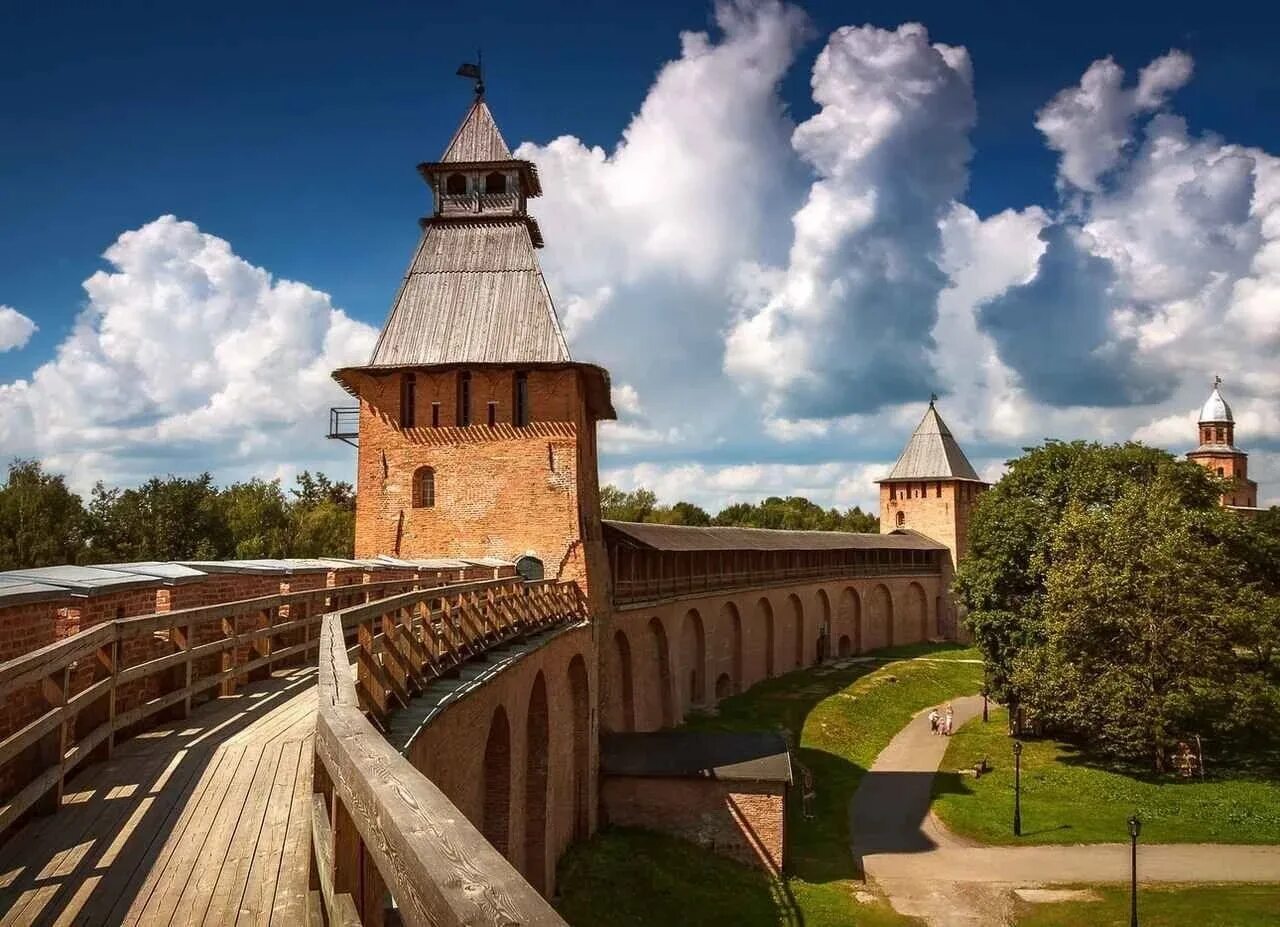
(203, 821)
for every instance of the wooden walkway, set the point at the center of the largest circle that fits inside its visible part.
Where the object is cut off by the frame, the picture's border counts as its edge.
(203, 821)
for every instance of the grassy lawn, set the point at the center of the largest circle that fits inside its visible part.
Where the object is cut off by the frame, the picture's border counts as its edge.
(1066, 799)
(1164, 906)
(634, 878)
(841, 719)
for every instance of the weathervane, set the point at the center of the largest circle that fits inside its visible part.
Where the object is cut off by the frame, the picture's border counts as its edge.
(1217, 381)
(475, 72)
(933, 397)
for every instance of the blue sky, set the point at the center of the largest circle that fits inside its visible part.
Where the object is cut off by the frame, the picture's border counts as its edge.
(293, 136)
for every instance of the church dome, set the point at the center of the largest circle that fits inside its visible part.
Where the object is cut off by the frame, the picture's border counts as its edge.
(1215, 408)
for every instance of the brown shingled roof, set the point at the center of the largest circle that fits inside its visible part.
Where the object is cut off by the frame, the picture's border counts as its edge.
(932, 454)
(477, 138)
(684, 537)
(474, 293)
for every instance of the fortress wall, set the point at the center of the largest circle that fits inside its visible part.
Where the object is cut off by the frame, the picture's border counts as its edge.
(531, 730)
(659, 661)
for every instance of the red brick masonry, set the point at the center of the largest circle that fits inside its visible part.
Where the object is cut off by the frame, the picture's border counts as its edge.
(745, 821)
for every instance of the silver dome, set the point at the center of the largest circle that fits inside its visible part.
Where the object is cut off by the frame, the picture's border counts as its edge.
(1215, 408)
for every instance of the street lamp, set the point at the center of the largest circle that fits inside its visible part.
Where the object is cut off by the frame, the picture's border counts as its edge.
(1135, 828)
(1017, 788)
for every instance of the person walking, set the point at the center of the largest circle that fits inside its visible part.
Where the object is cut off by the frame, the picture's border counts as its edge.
(933, 720)
(949, 721)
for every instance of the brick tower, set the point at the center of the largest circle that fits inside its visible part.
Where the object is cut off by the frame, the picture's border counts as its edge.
(932, 488)
(477, 431)
(1217, 451)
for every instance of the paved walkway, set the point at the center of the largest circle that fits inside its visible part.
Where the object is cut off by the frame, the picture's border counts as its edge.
(202, 821)
(929, 872)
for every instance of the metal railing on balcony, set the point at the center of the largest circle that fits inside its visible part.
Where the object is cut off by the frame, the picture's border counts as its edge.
(344, 424)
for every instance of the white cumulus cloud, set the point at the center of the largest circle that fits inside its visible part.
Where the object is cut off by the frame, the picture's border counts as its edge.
(15, 329)
(844, 327)
(1090, 124)
(186, 357)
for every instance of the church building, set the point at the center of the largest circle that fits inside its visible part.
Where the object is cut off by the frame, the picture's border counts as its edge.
(1218, 452)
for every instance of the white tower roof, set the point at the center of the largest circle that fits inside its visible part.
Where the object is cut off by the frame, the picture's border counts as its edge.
(1215, 408)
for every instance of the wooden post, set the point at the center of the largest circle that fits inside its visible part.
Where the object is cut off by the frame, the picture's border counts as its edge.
(229, 656)
(372, 687)
(53, 745)
(373, 904)
(180, 637)
(108, 656)
(347, 853)
(262, 645)
(396, 660)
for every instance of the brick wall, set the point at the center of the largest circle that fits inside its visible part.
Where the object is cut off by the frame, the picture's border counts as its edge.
(1233, 467)
(499, 492)
(937, 509)
(536, 694)
(745, 821)
(657, 662)
(107, 606)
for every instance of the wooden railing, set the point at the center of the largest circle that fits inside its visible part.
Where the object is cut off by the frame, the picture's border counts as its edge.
(651, 588)
(70, 700)
(378, 824)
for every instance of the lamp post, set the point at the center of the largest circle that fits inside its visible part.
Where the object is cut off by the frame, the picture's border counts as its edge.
(1135, 828)
(1017, 788)
(984, 703)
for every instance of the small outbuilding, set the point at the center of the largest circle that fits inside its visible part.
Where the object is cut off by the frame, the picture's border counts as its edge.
(724, 791)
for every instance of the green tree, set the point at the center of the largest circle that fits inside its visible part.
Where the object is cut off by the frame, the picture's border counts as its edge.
(794, 513)
(174, 518)
(321, 517)
(682, 513)
(257, 519)
(316, 488)
(617, 505)
(1143, 618)
(1002, 582)
(42, 522)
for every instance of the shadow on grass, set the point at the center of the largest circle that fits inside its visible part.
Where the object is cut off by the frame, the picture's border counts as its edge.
(1262, 766)
(818, 831)
(627, 877)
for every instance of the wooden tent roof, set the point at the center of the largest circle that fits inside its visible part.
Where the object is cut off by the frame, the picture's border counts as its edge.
(473, 293)
(932, 454)
(477, 138)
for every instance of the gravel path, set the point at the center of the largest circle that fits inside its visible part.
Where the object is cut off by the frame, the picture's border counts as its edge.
(949, 881)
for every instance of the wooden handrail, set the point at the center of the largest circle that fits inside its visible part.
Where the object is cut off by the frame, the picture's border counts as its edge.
(382, 824)
(85, 672)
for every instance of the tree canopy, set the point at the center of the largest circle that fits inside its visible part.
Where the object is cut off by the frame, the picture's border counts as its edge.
(1114, 597)
(792, 513)
(43, 523)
